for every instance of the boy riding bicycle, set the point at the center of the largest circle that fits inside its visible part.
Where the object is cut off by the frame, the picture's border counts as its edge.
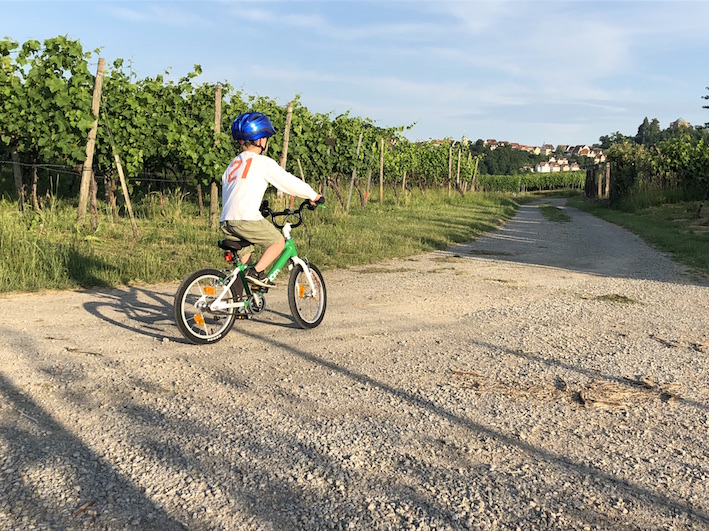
(244, 184)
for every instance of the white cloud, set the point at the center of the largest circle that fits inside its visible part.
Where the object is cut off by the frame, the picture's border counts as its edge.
(163, 14)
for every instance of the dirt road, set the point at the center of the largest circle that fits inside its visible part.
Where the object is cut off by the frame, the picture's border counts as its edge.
(547, 375)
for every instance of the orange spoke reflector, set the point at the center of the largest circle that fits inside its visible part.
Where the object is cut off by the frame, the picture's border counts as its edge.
(301, 291)
(210, 290)
(199, 320)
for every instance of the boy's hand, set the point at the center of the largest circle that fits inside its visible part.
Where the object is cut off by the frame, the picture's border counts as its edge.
(319, 200)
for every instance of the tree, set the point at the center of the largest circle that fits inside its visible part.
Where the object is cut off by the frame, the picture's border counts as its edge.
(606, 141)
(648, 132)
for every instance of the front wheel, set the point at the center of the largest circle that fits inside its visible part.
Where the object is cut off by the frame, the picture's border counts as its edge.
(306, 305)
(196, 322)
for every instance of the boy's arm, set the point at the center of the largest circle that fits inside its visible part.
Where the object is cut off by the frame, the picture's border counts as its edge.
(289, 183)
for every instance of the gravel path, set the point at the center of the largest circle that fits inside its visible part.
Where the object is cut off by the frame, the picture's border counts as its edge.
(548, 375)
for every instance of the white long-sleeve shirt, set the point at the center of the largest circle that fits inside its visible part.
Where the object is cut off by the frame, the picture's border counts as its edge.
(245, 181)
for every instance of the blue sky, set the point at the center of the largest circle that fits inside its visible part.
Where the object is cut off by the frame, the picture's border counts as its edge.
(521, 71)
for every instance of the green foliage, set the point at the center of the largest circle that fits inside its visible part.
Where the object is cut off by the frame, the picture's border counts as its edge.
(504, 160)
(528, 182)
(46, 105)
(164, 131)
(678, 164)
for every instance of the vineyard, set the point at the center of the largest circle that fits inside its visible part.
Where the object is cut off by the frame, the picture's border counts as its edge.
(672, 170)
(56, 139)
(655, 166)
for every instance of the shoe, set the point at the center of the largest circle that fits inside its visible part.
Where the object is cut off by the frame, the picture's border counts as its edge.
(258, 278)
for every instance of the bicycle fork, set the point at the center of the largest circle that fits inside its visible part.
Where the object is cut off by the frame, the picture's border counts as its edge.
(290, 254)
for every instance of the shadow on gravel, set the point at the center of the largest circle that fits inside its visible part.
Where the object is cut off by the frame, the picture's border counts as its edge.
(39, 451)
(589, 373)
(144, 311)
(147, 311)
(581, 470)
(586, 244)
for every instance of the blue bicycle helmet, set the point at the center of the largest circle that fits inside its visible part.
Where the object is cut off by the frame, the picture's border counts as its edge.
(251, 126)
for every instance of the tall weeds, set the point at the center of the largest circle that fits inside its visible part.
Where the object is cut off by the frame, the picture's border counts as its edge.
(47, 251)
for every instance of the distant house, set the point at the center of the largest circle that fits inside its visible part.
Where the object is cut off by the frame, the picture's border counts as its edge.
(580, 150)
(598, 156)
(529, 149)
(679, 122)
(574, 166)
(550, 151)
(543, 167)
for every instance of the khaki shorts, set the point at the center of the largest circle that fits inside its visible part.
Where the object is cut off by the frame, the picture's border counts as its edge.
(261, 232)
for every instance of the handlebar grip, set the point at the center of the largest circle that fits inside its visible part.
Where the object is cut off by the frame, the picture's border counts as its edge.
(265, 211)
(320, 201)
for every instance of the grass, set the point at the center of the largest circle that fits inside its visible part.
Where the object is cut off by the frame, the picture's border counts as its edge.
(48, 251)
(672, 228)
(553, 213)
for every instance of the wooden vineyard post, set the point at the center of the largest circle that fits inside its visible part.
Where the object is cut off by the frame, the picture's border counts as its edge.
(33, 193)
(381, 173)
(302, 178)
(369, 183)
(607, 193)
(473, 184)
(87, 169)
(599, 179)
(286, 137)
(17, 174)
(125, 192)
(300, 169)
(122, 177)
(330, 142)
(93, 201)
(457, 175)
(354, 171)
(450, 167)
(214, 189)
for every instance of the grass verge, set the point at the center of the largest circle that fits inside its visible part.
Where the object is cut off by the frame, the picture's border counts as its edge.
(47, 251)
(553, 213)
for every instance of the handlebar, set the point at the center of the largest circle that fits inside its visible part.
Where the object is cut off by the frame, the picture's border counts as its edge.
(266, 211)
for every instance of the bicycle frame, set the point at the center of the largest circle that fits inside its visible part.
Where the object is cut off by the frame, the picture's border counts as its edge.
(289, 253)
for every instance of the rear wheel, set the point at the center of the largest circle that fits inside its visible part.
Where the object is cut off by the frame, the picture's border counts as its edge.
(306, 305)
(196, 322)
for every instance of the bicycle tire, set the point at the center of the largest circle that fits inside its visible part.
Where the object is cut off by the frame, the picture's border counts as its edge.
(307, 310)
(196, 323)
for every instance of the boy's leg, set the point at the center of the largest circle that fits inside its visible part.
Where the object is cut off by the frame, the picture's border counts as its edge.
(263, 233)
(270, 254)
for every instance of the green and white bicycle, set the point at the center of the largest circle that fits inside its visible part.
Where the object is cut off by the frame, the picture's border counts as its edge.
(209, 301)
